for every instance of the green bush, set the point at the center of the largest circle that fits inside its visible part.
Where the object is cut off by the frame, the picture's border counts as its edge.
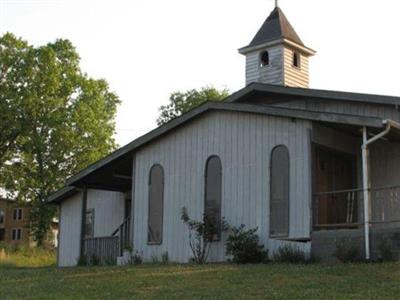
(202, 234)
(386, 253)
(347, 253)
(290, 254)
(94, 260)
(136, 258)
(83, 261)
(165, 258)
(244, 246)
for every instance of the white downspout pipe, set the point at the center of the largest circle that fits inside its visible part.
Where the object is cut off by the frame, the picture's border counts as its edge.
(367, 181)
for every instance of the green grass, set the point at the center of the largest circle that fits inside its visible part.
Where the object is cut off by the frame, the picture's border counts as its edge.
(26, 257)
(273, 281)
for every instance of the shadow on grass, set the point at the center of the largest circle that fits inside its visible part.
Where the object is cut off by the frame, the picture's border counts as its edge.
(7, 265)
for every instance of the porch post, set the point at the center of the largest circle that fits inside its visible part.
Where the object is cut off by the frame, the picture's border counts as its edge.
(366, 189)
(83, 221)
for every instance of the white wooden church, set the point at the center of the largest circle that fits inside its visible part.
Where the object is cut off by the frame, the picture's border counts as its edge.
(310, 168)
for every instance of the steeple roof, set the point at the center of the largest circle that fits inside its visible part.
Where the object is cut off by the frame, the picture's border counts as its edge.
(276, 27)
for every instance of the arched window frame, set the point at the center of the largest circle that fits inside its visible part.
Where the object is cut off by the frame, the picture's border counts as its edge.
(296, 60)
(272, 234)
(265, 61)
(157, 242)
(219, 200)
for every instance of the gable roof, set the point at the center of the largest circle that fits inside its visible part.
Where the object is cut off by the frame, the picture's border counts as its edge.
(275, 27)
(126, 151)
(236, 102)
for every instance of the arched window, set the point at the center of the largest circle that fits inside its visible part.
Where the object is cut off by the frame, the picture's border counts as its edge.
(156, 205)
(296, 60)
(264, 58)
(279, 193)
(213, 193)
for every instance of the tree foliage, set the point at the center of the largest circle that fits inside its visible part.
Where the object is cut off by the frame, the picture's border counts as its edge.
(58, 120)
(182, 102)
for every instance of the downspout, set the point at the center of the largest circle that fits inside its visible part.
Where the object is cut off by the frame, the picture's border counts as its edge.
(367, 180)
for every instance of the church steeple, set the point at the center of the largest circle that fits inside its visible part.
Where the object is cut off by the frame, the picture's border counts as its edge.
(277, 55)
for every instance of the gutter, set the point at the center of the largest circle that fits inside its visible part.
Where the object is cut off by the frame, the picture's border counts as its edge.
(366, 177)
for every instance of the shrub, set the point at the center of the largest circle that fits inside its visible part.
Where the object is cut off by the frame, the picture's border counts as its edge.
(201, 235)
(244, 246)
(165, 257)
(386, 253)
(83, 261)
(290, 254)
(94, 260)
(109, 261)
(90, 260)
(136, 258)
(347, 253)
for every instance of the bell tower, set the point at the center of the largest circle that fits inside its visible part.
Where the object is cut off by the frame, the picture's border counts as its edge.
(276, 55)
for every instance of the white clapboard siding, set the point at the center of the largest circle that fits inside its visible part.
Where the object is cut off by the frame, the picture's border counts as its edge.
(385, 166)
(244, 143)
(271, 74)
(109, 211)
(70, 231)
(294, 76)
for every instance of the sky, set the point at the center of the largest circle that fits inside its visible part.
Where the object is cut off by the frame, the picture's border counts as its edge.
(146, 49)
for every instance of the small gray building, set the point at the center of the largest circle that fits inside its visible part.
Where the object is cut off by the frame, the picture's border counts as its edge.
(310, 168)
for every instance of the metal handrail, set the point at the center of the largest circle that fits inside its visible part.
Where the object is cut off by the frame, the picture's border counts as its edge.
(380, 188)
(123, 233)
(353, 194)
(100, 237)
(126, 221)
(338, 192)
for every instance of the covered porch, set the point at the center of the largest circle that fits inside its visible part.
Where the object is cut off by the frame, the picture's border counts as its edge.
(95, 219)
(115, 179)
(356, 188)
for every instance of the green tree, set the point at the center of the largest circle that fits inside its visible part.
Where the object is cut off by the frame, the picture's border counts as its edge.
(182, 102)
(11, 93)
(64, 121)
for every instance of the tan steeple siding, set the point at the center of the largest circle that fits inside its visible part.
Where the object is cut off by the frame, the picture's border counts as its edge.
(277, 55)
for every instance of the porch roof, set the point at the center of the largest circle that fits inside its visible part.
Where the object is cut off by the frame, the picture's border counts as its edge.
(114, 171)
(63, 194)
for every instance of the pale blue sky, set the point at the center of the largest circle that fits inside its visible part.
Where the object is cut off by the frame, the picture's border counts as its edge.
(146, 49)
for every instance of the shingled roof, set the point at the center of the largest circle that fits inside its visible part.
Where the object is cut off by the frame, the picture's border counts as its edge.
(276, 27)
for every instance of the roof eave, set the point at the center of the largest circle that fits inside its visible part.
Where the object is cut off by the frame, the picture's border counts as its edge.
(62, 194)
(249, 48)
(314, 93)
(301, 48)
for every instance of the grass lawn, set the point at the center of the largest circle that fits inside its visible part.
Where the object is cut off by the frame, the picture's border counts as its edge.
(26, 257)
(363, 281)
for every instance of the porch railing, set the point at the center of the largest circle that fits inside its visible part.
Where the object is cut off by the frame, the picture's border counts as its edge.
(124, 236)
(103, 249)
(344, 209)
(385, 205)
